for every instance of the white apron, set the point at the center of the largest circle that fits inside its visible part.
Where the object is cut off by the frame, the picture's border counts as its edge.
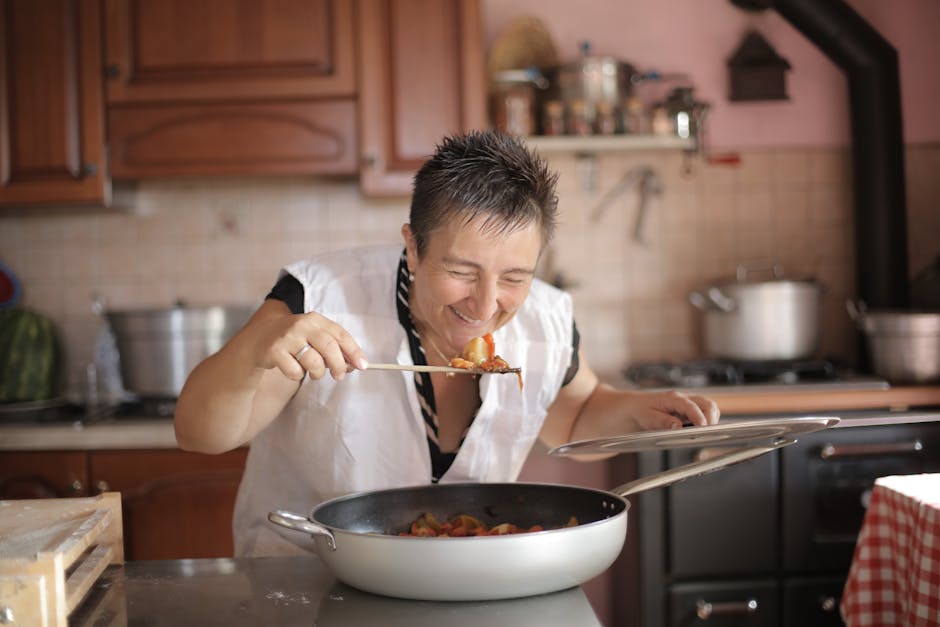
(366, 432)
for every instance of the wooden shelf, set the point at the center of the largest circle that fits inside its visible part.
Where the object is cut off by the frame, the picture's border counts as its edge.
(606, 143)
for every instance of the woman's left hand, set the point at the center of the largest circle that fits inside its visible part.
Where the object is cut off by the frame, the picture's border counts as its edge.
(670, 410)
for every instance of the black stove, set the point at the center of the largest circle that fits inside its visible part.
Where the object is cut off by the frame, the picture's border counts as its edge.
(709, 373)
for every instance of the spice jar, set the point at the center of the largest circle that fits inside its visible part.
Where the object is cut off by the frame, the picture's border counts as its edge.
(578, 121)
(553, 118)
(605, 121)
(635, 121)
(513, 100)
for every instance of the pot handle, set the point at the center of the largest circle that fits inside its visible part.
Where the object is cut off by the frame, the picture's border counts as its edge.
(720, 300)
(856, 311)
(698, 300)
(302, 523)
(695, 469)
(714, 298)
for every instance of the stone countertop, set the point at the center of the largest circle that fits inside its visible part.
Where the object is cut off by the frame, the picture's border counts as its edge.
(864, 407)
(289, 591)
(112, 433)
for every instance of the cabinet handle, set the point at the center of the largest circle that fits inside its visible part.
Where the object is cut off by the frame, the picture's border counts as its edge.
(102, 486)
(90, 169)
(705, 610)
(828, 604)
(76, 487)
(112, 70)
(834, 451)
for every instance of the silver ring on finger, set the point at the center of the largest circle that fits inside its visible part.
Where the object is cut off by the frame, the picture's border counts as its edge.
(300, 353)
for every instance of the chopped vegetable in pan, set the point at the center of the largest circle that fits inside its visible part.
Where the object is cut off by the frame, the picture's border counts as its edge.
(427, 526)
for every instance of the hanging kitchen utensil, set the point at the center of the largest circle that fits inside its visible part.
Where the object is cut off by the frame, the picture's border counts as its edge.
(357, 536)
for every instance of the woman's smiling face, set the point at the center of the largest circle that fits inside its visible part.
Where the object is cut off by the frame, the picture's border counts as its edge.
(470, 282)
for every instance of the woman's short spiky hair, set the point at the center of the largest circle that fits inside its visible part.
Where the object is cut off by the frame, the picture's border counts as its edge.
(483, 174)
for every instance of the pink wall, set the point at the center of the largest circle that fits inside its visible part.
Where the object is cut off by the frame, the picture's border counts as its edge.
(698, 36)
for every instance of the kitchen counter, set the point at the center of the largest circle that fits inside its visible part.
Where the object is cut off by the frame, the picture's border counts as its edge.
(780, 400)
(123, 433)
(891, 405)
(289, 591)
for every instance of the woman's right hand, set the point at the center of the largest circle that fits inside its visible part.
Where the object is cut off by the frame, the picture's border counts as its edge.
(299, 344)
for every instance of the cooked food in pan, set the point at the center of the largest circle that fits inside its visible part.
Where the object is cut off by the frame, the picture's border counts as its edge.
(462, 525)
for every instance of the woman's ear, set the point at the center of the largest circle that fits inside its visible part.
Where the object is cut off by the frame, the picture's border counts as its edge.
(411, 247)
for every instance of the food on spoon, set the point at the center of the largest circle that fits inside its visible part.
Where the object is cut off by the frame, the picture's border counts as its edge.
(480, 352)
(462, 525)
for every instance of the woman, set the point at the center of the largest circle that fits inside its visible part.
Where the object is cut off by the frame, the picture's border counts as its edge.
(482, 212)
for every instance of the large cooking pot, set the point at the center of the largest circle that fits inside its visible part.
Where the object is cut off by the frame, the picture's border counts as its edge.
(904, 345)
(760, 319)
(356, 535)
(158, 348)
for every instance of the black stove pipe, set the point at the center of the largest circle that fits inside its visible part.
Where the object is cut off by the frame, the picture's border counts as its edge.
(871, 65)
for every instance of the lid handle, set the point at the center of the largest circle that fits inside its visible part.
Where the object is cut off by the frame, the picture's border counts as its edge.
(762, 265)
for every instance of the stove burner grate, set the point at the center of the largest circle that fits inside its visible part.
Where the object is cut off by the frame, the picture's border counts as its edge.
(717, 372)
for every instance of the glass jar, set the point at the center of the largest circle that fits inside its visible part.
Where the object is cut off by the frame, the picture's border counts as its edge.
(605, 120)
(553, 118)
(578, 122)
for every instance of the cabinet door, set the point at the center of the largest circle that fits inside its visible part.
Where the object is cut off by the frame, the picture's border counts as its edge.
(51, 109)
(43, 474)
(196, 50)
(175, 504)
(725, 523)
(421, 77)
(307, 137)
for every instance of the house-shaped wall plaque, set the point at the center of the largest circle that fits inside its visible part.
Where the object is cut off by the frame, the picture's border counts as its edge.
(757, 71)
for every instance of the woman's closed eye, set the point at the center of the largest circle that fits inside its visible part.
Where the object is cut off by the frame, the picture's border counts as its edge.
(463, 276)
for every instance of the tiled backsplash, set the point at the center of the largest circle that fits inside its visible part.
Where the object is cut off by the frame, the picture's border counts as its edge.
(222, 241)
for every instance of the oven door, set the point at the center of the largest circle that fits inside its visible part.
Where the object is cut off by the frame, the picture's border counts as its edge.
(828, 478)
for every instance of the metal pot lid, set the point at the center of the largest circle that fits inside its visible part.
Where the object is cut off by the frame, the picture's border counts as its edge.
(737, 433)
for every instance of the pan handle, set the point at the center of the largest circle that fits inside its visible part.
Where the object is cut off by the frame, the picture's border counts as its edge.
(687, 471)
(302, 523)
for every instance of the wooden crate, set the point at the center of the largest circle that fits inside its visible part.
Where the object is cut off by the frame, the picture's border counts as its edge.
(52, 551)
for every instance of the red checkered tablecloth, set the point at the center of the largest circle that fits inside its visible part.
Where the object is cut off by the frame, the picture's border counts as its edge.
(895, 574)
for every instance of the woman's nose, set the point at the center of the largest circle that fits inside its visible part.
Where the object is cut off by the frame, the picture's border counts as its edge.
(486, 300)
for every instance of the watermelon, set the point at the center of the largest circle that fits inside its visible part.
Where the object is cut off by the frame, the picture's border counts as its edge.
(30, 356)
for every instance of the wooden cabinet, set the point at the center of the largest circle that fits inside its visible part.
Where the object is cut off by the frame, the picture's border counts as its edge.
(213, 87)
(175, 504)
(219, 50)
(421, 76)
(51, 105)
(43, 474)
